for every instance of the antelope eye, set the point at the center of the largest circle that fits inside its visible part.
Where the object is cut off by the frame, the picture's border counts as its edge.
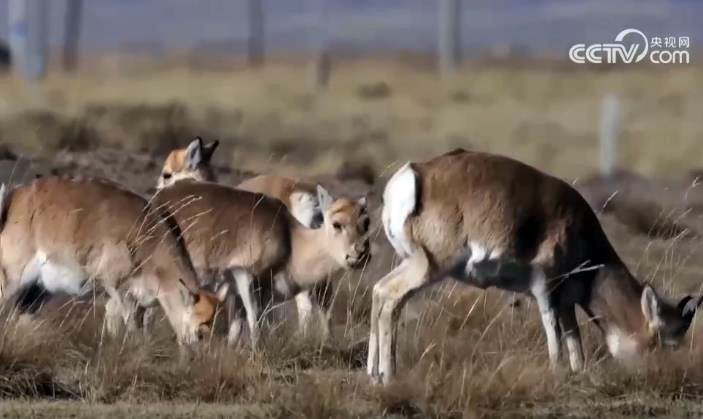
(167, 175)
(337, 226)
(366, 225)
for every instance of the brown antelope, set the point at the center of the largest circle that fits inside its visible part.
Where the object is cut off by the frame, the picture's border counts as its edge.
(193, 162)
(70, 235)
(245, 235)
(303, 203)
(491, 221)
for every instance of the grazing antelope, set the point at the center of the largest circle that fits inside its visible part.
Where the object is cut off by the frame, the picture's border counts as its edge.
(69, 235)
(300, 198)
(491, 221)
(192, 162)
(245, 235)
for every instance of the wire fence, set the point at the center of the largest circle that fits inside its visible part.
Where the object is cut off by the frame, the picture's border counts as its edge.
(404, 24)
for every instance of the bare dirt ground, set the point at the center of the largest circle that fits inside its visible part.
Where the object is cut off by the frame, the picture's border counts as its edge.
(463, 352)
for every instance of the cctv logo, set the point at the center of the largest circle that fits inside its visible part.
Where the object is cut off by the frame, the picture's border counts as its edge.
(636, 49)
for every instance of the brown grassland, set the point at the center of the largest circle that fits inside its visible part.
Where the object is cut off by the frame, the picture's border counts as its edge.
(462, 352)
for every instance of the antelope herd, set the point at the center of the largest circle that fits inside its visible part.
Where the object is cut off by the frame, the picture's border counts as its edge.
(482, 219)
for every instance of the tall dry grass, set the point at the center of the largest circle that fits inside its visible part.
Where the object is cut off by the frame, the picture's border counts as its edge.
(462, 352)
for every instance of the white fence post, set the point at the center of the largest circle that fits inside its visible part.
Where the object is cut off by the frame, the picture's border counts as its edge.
(449, 36)
(255, 42)
(28, 24)
(610, 112)
(72, 33)
(321, 65)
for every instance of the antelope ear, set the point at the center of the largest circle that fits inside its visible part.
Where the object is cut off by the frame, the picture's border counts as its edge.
(194, 153)
(222, 292)
(324, 198)
(209, 149)
(650, 307)
(688, 306)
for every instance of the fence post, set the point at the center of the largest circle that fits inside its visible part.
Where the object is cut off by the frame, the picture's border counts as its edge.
(321, 65)
(255, 43)
(28, 21)
(72, 32)
(449, 36)
(610, 110)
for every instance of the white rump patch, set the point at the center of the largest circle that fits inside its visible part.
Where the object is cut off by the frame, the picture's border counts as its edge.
(399, 201)
(304, 207)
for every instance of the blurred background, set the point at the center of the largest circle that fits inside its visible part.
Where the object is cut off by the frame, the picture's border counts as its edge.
(341, 92)
(302, 86)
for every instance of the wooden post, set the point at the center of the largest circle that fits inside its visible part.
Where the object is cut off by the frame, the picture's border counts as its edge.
(29, 23)
(610, 112)
(255, 42)
(449, 37)
(72, 32)
(321, 65)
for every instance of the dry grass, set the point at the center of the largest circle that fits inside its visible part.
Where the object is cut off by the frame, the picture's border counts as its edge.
(461, 352)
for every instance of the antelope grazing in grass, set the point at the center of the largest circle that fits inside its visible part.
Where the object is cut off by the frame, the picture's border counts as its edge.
(301, 199)
(491, 221)
(244, 235)
(70, 235)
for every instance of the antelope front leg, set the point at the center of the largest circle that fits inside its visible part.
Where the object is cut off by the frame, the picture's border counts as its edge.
(304, 305)
(113, 317)
(145, 317)
(323, 316)
(235, 318)
(244, 280)
(119, 311)
(572, 337)
(548, 313)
